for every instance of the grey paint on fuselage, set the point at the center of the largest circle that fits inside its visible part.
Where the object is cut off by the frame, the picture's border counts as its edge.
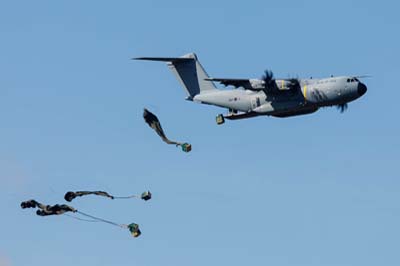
(242, 103)
(316, 93)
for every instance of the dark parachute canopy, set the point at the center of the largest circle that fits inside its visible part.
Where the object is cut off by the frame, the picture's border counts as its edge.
(69, 196)
(45, 210)
(152, 120)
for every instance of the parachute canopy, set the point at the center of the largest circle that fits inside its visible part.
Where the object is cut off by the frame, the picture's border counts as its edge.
(55, 210)
(45, 210)
(29, 204)
(152, 120)
(69, 196)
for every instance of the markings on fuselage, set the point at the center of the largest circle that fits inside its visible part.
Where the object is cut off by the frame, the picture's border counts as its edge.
(318, 95)
(305, 92)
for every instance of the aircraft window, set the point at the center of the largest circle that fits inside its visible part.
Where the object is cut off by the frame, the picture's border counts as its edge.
(348, 80)
(352, 80)
(356, 79)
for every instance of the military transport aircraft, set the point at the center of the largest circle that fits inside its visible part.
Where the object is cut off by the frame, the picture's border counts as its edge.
(265, 96)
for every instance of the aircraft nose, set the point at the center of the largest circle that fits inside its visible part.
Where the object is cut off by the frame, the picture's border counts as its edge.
(361, 89)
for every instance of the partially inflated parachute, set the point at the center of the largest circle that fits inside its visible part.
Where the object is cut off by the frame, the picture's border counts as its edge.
(152, 120)
(70, 195)
(59, 209)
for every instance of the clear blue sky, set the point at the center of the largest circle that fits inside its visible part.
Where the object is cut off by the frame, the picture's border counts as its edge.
(321, 189)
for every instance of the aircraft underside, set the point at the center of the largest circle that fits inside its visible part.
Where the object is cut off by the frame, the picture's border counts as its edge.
(234, 115)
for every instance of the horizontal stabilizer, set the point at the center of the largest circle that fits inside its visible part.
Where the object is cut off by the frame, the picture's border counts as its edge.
(164, 59)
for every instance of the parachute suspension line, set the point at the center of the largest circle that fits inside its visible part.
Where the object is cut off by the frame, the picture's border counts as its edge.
(144, 196)
(81, 219)
(127, 197)
(101, 220)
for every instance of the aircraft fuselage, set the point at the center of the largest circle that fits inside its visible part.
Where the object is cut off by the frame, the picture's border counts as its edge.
(265, 96)
(315, 93)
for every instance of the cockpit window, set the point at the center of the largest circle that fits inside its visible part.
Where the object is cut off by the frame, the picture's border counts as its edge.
(356, 79)
(352, 80)
(348, 80)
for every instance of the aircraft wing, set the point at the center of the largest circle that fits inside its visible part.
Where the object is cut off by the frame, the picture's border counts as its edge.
(245, 83)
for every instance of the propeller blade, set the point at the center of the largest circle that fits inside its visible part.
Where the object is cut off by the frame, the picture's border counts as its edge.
(342, 107)
(269, 80)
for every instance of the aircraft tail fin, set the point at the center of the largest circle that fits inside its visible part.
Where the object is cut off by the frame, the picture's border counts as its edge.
(189, 72)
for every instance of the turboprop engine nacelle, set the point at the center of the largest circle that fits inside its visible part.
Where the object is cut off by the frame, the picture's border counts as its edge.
(284, 85)
(257, 84)
(281, 84)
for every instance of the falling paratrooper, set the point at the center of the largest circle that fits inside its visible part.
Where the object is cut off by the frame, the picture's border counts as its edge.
(152, 120)
(59, 209)
(70, 195)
